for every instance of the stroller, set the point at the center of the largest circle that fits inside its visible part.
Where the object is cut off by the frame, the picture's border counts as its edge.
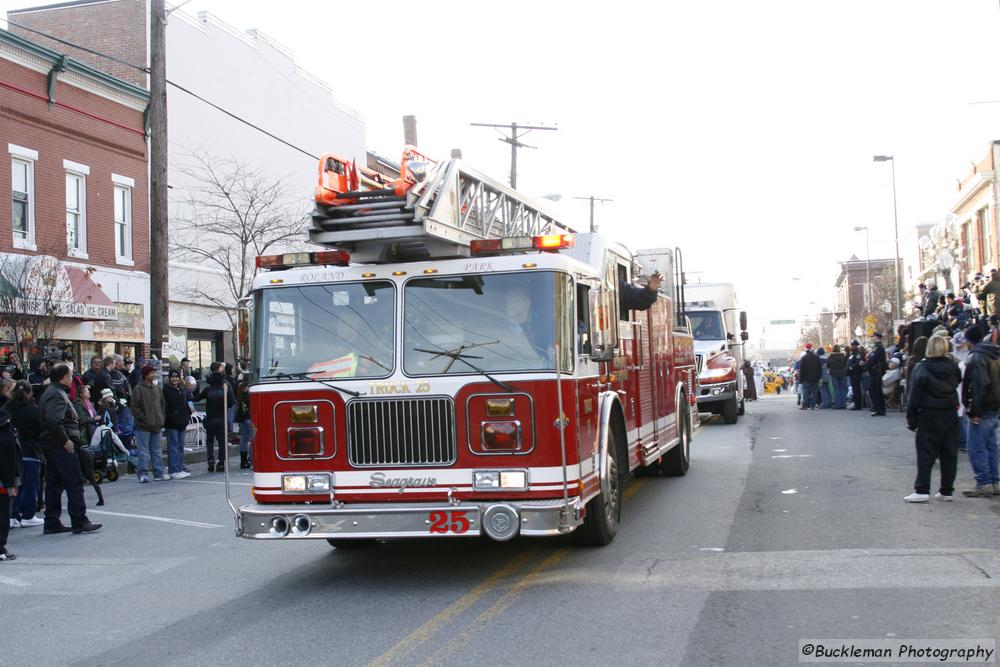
(107, 450)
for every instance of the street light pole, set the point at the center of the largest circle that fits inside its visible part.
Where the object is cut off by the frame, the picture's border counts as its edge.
(895, 225)
(868, 271)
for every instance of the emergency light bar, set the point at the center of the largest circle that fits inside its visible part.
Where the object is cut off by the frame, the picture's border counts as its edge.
(548, 242)
(291, 259)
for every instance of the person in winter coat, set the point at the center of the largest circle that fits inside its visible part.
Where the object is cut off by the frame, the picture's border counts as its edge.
(930, 301)
(824, 396)
(86, 413)
(918, 353)
(876, 365)
(990, 296)
(932, 413)
(749, 387)
(810, 373)
(243, 419)
(10, 468)
(214, 393)
(837, 365)
(149, 410)
(25, 417)
(178, 416)
(60, 437)
(981, 407)
(856, 372)
(639, 298)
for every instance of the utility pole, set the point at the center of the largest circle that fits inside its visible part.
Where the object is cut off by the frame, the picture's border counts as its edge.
(592, 199)
(516, 132)
(159, 287)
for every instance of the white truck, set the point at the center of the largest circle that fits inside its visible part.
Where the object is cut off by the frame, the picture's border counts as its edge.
(715, 320)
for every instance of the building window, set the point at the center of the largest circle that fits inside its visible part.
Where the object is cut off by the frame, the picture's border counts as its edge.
(76, 214)
(23, 195)
(123, 224)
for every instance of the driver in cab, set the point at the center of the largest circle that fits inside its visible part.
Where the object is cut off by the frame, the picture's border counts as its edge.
(537, 330)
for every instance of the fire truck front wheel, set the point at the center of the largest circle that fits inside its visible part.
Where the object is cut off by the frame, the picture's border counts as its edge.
(604, 510)
(347, 545)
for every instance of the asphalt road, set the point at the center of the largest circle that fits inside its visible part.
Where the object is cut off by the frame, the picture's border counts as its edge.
(790, 525)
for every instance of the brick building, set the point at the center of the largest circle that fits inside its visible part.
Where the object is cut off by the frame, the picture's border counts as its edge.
(74, 239)
(853, 296)
(250, 75)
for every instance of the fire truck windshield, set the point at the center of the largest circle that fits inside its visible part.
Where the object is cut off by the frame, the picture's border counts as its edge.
(495, 322)
(325, 331)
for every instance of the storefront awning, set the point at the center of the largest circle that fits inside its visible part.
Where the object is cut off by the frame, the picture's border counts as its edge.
(41, 283)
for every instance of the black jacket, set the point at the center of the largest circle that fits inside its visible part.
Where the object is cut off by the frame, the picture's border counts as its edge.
(178, 412)
(10, 451)
(37, 382)
(977, 389)
(635, 298)
(932, 386)
(213, 393)
(58, 417)
(856, 364)
(876, 363)
(930, 302)
(27, 421)
(810, 367)
(837, 364)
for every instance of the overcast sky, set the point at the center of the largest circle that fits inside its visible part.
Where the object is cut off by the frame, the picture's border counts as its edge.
(741, 131)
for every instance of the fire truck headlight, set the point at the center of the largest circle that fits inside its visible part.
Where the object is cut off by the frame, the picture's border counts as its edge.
(293, 483)
(513, 479)
(493, 480)
(486, 480)
(318, 482)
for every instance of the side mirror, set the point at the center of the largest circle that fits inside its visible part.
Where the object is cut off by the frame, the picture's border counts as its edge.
(603, 325)
(743, 321)
(243, 320)
(744, 336)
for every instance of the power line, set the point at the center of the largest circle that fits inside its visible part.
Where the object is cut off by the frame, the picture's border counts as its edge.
(514, 141)
(179, 87)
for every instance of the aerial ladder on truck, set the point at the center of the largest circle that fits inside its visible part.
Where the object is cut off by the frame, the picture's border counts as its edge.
(434, 209)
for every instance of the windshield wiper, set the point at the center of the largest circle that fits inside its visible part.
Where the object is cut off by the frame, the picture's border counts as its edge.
(464, 358)
(307, 375)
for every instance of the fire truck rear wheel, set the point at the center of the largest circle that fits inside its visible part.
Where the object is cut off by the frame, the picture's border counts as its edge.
(604, 510)
(676, 462)
(348, 545)
(730, 411)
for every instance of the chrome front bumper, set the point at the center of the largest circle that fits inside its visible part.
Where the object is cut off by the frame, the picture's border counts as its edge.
(535, 518)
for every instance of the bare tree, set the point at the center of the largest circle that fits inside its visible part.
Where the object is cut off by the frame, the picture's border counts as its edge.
(230, 213)
(809, 334)
(33, 290)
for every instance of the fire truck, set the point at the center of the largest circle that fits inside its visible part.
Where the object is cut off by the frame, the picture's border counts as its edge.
(456, 361)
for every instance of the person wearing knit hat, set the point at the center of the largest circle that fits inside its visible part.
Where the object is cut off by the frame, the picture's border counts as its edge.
(149, 410)
(178, 415)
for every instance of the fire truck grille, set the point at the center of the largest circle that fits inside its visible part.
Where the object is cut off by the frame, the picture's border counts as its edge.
(401, 432)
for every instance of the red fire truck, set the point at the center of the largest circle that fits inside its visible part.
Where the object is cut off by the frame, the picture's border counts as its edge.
(457, 362)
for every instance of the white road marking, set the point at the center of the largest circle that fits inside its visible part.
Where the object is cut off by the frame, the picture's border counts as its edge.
(11, 581)
(789, 492)
(792, 456)
(179, 522)
(711, 549)
(779, 450)
(202, 481)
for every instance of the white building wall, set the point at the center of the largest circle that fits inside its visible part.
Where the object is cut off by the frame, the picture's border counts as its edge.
(257, 79)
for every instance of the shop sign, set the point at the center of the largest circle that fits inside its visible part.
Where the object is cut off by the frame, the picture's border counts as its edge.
(129, 324)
